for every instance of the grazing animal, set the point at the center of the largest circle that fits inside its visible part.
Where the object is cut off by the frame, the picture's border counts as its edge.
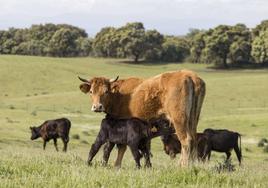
(133, 132)
(172, 145)
(176, 95)
(53, 129)
(223, 140)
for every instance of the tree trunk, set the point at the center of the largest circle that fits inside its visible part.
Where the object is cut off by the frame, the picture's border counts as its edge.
(225, 65)
(136, 59)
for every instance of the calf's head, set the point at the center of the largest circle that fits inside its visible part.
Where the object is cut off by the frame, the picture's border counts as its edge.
(99, 90)
(35, 133)
(171, 144)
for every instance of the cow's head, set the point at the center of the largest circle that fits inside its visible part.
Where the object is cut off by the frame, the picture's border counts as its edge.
(35, 133)
(100, 91)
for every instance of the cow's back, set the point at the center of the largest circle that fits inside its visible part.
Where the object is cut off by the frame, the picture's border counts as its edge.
(151, 97)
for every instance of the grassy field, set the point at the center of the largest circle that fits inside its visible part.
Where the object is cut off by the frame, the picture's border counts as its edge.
(33, 89)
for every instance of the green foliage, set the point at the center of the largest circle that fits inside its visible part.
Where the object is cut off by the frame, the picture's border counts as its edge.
(106, 43)
(153, 43)
(222, 44)
(260, 48)
(175, 49)
(48, 39)
(197, 46)
(263, 26)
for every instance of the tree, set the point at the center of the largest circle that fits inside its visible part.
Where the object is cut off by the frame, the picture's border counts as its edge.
(222, 45)
(175, 49)
(153, 43)
(63, 43)
(132, 40)
(84, 46)
(240, 51)
(263, 26)
(106, 43)
(197, 45)
(260, 48)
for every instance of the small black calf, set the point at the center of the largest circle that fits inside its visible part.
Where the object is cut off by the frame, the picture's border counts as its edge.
(53, 129)
(133, 132)
(223, 140)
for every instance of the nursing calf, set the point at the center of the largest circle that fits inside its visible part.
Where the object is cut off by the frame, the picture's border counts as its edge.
(133, 132)
(53, 129)
(172, 145)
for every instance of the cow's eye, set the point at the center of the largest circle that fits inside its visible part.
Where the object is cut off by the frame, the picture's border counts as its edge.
(90, 91)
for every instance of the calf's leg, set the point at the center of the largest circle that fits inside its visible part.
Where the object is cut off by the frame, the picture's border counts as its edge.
(100, 140)
(65, 143)
(44, 144)
(108, 147)
(121, 151)
(228, 154)
(55, 143)
(136, 154)
(146, 153)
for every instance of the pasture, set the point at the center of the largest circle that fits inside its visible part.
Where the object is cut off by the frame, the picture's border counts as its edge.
(33, 89)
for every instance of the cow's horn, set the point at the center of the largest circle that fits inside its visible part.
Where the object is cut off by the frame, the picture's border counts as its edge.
(114, 79)
(83, 80)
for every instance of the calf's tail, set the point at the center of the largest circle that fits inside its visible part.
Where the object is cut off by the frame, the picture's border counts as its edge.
(240, 147)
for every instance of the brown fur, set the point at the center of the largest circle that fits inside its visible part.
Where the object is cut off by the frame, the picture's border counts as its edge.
(177, 95)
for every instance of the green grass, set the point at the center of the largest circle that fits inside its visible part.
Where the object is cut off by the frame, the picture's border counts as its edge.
(34, 89)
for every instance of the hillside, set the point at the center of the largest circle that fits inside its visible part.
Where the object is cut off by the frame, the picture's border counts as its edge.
(34, 89)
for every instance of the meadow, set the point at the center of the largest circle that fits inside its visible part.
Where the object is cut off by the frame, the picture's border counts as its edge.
(34, 89)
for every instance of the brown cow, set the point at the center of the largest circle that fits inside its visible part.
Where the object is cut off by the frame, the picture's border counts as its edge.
(172, 145)
(176, 95)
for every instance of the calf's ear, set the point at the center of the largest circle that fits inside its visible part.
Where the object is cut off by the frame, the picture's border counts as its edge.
(84, 87)
(31, 128)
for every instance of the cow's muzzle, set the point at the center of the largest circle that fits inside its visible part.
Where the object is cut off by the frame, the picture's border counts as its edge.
(97, 108)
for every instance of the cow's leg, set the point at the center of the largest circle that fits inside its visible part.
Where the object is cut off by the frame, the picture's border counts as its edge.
(55, 143)
(121, 151)
(44, 144)
(182, 113)
(238, 154)
(136, 154)
(188, 143)
(108, 147)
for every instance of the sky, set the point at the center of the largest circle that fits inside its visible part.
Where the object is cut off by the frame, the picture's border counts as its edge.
(173, 17)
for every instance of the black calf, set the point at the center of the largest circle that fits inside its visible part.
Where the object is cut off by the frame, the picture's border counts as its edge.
(223, 141)
(53, 129)
(132, 132)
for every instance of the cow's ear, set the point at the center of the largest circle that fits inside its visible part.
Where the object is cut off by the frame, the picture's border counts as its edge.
(84, 87)
(115, 87)
(31, 128)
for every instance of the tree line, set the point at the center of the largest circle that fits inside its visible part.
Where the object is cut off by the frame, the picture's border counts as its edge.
(223, 45)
